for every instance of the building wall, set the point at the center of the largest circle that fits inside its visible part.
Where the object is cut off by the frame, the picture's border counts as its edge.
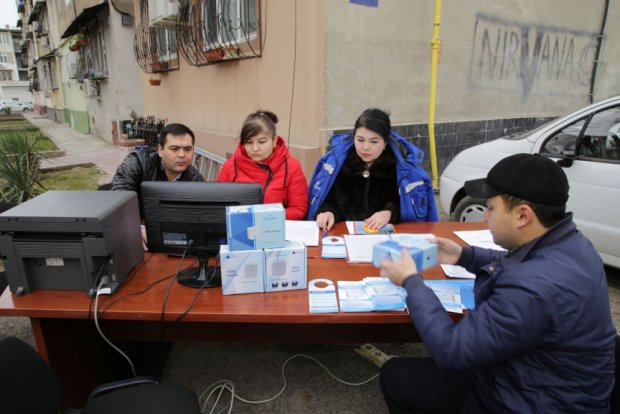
(75, 107)
(214, 100)
(608, 78)
(504, 66)
(13, 89)
(489, 54)
(120, 92)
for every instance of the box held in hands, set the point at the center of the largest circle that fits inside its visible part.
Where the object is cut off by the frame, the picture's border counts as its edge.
(423, 252)
(258, 226)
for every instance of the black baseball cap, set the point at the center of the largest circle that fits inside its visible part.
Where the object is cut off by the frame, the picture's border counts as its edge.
(532, 178)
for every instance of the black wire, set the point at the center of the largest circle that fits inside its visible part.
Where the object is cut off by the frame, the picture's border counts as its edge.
(131, 275)
(92, 298)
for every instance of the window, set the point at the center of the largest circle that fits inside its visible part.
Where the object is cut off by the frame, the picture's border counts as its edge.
(4, 39)
(228, 22)
(596, 136)
(46, 71)
(6, 75)
(3, 58)
(166, 44)
(93, 54)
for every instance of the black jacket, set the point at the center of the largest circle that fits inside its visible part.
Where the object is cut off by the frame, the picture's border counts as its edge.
(145, 165)
(354, 197)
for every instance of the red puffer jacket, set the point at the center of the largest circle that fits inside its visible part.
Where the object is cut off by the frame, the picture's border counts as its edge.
(280, 175)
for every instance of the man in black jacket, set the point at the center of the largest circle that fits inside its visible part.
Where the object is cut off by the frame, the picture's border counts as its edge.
(171, 162)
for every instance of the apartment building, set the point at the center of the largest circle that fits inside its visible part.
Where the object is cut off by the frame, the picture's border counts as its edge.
(13, 68)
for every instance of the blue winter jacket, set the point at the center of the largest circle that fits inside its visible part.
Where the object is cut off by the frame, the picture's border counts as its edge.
(541, 339)
(417, 201)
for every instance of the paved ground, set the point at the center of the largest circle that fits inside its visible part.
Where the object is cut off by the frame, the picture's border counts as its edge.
(254, 368)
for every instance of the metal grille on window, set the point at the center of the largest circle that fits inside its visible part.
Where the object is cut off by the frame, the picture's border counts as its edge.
(216, 31)
(155, 47)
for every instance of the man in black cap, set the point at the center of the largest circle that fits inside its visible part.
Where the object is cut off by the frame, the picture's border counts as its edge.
(541, 338)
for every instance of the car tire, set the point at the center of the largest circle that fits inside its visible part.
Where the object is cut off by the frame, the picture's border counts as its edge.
(469, 209)
(26, 109)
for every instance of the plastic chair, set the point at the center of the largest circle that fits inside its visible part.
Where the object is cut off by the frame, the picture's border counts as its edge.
(29, 386)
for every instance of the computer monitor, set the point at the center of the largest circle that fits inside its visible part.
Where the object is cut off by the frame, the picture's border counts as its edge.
(190, 218)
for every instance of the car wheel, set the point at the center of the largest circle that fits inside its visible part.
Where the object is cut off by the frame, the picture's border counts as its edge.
(469, 209)
(26, 109)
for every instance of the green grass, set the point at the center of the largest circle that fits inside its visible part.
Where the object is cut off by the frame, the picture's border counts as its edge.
(76, 178)
(16, 123)
(45, 144)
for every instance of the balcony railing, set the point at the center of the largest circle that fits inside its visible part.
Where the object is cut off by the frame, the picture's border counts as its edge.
(207, 163)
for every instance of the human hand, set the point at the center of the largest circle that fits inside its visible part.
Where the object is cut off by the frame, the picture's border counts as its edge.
(379, 219)
(448, 251)
(325, 220)
(398, 270)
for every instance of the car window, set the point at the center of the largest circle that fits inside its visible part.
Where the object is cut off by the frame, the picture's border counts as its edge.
(562, 143)
(600, 139)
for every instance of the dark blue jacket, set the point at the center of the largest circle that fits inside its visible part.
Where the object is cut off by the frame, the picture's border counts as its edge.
(541, 338)
(417, 201)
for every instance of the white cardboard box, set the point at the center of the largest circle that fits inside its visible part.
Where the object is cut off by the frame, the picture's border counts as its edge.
(285, 268)
(243, 271)
(259, 226)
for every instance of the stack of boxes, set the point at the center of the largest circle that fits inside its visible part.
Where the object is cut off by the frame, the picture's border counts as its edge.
(257, 257)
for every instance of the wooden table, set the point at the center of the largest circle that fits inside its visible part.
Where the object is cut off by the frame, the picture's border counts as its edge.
(65, 337)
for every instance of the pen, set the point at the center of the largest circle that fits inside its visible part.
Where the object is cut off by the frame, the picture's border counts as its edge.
(324, 233)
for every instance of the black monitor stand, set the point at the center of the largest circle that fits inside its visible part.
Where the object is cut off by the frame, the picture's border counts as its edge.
(201, 276)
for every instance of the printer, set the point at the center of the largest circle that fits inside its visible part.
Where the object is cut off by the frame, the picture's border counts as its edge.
(71, 240)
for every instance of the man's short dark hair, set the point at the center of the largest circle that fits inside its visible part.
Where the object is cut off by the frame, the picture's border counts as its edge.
(547, 215)
(174, 129)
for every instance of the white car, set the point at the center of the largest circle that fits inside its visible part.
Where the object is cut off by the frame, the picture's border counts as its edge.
(15, 106)
(585, 143)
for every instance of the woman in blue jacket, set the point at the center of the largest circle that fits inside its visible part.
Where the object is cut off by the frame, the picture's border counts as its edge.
(372, 175)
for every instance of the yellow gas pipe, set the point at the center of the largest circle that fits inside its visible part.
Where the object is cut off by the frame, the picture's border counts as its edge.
(435, 44)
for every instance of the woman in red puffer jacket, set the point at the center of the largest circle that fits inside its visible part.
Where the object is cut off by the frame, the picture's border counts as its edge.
(262, 157)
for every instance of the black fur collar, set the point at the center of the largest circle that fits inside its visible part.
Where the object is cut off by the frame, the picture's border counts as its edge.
(384, 166)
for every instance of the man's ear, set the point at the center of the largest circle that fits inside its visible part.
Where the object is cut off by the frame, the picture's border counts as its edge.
(159, 149)
(524, 215)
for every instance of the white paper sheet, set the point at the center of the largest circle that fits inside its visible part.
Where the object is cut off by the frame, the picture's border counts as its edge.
(304, 231)
(478, 238)
(457, 272)
(359, 246)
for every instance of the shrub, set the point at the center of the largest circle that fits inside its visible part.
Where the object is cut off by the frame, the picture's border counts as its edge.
(20, 168)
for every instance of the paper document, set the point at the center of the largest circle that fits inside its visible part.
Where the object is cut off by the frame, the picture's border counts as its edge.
(304, 231)
(322, 296)
(359, 246)
(457, 271)
(454, 295)
(333, 248)
(371, 294)
(478, 238)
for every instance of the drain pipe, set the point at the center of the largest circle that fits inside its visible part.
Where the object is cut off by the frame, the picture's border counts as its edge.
(601, 35)
(435, 44)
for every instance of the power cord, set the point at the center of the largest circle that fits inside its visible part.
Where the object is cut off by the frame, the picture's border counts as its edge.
(216, 390)
(104, 281)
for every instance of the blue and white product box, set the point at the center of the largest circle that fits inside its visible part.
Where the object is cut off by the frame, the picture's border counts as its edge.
(243, 271)
(285, 268)
(423, 252)
(259, 226)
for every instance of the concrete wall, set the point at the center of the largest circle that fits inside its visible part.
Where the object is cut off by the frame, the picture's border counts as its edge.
(608, 76)
(120, 92)
(499, 59)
